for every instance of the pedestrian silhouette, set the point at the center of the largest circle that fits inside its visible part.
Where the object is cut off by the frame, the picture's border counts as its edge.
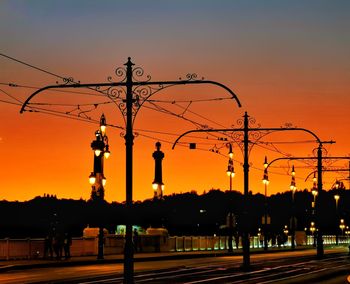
(135, 239)
(58, 245)
(48, 251)
(67, 242)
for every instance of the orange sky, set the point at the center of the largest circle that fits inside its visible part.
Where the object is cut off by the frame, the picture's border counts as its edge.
(286, 63)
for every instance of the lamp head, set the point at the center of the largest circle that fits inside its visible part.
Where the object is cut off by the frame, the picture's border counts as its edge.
(103, 123)
(107, 153)
(293, 171)
(265, 163)
(92, 178)
(230, 153)
(266, 177)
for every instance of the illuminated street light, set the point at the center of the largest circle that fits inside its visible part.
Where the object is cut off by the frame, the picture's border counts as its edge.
(336, 198)
(313, 230)
(292, 183)
(342, 226)
(265, 182)
(230, 173)
(337, 184)
(101, 149)
(103, 124)
(293, 188)
(97, 179)
(314, 180)
(157, 184)
(230, 153)
(92, 178)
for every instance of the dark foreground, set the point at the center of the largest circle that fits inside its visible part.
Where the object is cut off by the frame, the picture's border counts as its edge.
(299, 266)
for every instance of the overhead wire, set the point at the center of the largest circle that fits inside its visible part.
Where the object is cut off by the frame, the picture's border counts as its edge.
(32, 66)
(50, 73)
(10, 96)
(88, 119)
(15, 85)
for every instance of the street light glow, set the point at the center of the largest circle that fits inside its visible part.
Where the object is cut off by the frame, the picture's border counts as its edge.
(230, 153)
(92, 178)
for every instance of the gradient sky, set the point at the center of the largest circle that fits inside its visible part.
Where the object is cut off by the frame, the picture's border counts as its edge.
(288, 62)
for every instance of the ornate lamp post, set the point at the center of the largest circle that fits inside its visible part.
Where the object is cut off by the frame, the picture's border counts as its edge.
(336, 198)
(293, 189)
(314, 193)
(100, 147)
(265, 182)
(230, 173)
(97, 179)
(129, 94)
(244, 133)
(158, 185)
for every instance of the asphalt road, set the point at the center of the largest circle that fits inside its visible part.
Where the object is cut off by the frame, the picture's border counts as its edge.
(281, 267)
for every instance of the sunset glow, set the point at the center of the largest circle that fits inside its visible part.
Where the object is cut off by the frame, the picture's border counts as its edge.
(287, 61)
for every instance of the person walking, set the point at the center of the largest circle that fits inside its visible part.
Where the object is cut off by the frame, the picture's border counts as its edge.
(48, 251)
(67, 242)
(135, 239)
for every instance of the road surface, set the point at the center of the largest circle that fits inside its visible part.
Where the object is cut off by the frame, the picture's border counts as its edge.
(281, 267)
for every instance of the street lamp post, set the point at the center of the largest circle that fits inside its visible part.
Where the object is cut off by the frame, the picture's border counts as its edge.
(129, 95)
(247, 130)
(265, 182)
(230, 173)
(318, 191)
(158, 185)
(97, 178)
(336, 198)
(293, 189)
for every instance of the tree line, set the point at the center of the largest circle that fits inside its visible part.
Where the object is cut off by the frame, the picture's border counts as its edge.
(182, 214)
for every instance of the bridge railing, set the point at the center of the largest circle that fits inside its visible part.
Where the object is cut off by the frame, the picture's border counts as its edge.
(30, 248)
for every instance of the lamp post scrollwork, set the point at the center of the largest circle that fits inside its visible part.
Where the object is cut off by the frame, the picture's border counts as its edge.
(248, 133)
(129, 94)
